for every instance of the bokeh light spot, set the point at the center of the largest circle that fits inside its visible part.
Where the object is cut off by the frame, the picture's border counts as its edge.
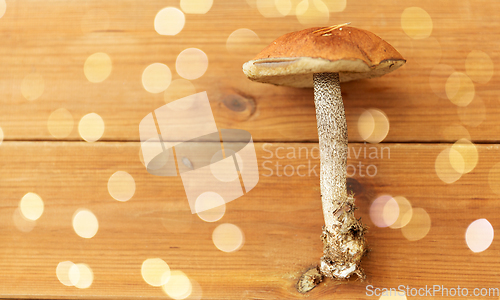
(479, 235)
(240, 40)
(366, 125)
(191, 63)
(81, 276)
(91, 127)
(97, 67)
(228, 237)
(284, 7)
(3, 8)
(62, 272)
(32, 86)
(184, 104)
(384, 211)
(336, 5)
(416, 23)
(121, 186)
(85, 223)
(373, 125)
(74, 274)
(459, 89)
(178, 89)
(21, 222)
(457, 161)
(31, 206)
(268, 9)
(419, 225)
(473, 114)
(60, 123)
(468, 152)
(312, 12)
(169, 21)
(155, 271)
(405, 212)
(390, 212)
(196, 6)
(479, 66)
(210, 206)
(251, 3)
(196, 291)
(447, 163)
(156, 78)
(178, 286)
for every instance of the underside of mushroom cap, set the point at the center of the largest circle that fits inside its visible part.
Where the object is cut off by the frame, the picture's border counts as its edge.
(353, 53)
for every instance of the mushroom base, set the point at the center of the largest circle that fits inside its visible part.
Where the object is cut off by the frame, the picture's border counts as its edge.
(344, 246)
(343, 249)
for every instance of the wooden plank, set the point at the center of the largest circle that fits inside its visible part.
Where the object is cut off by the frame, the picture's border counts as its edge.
(281, 217)
(281, 220)
(53, 39)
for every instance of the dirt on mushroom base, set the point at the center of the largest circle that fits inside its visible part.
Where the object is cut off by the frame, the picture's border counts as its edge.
(309, 280)
(342, 250)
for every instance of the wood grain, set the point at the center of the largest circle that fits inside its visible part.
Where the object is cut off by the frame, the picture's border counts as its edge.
(281, 219)
(48, 38)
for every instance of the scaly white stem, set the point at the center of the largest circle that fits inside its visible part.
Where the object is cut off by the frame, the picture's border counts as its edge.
(343, 234)
(332, 133)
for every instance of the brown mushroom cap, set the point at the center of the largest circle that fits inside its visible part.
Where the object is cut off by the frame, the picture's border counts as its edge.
(293, 58)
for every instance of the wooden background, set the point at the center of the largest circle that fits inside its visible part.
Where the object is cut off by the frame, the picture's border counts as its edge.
(281, 217)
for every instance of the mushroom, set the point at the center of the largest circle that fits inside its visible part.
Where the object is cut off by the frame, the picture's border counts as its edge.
(322, 57)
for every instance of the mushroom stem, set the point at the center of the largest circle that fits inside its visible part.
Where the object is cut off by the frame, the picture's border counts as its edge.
(343, 235)
(332, 133)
